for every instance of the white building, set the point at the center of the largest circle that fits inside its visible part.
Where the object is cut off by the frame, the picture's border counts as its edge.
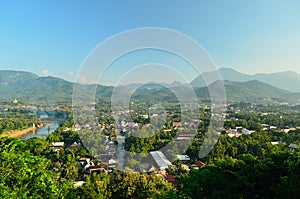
(160, 159)
(246, 131)
(183, 157)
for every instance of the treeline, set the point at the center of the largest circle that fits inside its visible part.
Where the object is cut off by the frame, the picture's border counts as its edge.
(16, 121)
(278, 176)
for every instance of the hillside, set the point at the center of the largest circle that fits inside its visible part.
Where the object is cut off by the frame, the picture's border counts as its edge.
(225, 74)
(31, 88)
(9, 77)
(252, 90)
(287, 80)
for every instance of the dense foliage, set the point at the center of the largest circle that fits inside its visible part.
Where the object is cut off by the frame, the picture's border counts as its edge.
(26, 175)
(245, 177)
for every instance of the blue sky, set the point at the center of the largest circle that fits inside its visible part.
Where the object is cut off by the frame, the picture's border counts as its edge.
(55, 37)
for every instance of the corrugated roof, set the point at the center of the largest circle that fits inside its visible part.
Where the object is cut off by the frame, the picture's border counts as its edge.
(160, 159)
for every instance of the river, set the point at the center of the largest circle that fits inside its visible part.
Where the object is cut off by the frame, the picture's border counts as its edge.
(42, 132)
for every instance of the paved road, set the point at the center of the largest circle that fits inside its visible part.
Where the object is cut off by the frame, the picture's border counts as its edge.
(120, 151)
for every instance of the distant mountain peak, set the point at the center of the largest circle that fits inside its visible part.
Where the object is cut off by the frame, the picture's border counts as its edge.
(288, 80)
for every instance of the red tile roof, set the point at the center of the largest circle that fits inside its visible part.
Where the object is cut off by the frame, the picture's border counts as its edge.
(199, 163)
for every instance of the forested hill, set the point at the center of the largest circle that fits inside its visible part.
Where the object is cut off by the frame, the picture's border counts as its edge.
(249, 91)
(287, 80)
(29, 87)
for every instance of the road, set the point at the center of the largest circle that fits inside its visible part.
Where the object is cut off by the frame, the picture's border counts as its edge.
(121, 151)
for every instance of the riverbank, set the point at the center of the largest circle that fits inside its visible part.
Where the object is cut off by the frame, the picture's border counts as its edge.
(18, 133)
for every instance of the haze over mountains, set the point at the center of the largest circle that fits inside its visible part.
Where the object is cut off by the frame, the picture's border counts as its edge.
(282, 86)
(287, 80)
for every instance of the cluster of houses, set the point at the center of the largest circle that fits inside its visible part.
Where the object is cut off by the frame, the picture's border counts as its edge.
(236, 132)
(127, 126)
(103, 166)
(106, 161)
(239, 130)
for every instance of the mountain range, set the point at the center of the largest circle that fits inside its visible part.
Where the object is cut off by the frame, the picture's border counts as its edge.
(282, 86)
(287, 80)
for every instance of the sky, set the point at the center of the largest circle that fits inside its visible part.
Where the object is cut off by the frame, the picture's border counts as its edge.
(56, 37)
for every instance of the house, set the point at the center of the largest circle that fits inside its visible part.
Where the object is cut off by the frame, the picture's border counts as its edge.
(160, 159)
(183, 157)
(184, 136)
(75, 145)
(239, 131)
(273, 127)
(97, 169)
(191, 135)
(246, 131)
(265, 127)
(111, 164)
(198, 164)
(177, 124)
(278, 143)
(234, 134)
(57, 146)
(87, 163)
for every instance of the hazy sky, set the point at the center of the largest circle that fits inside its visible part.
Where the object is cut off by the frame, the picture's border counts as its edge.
(55, 37)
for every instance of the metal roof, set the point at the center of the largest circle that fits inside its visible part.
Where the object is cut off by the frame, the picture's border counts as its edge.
(160, 159)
